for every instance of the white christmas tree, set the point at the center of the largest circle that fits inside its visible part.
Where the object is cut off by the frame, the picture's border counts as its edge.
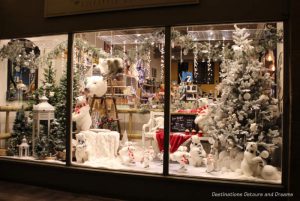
(246, 111)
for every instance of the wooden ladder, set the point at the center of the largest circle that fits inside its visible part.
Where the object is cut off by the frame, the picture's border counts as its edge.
(103, 102)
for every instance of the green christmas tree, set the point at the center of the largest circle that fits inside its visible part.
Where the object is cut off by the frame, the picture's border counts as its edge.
(51, 88)
(58, 127)
(21, 128)
(247, 109)
(44, 145)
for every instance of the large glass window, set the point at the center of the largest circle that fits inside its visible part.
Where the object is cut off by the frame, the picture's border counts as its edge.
(32, 98)
(226, 101)
(118, 90)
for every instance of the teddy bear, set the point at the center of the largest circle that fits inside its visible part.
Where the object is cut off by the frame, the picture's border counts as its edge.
(81, 153)
(81, 114)
(127, 154)
(182, 157)
(251, 163)
(197, 152)
(95, 86)
(110, 67)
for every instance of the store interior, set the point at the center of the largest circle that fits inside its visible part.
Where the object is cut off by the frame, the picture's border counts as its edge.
(225, 105)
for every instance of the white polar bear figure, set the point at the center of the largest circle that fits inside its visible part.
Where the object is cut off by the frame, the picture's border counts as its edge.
(81, 115)
(197, 152)
(127, 154)
(251, 164)
(110, 67)
(182, 157)
(96, 85)
(81, 149)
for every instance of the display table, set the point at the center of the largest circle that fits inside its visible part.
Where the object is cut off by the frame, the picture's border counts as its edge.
(101, 143)
(176, 140)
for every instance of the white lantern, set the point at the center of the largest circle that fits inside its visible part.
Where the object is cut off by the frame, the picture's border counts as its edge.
(24, 148)
(41, 112)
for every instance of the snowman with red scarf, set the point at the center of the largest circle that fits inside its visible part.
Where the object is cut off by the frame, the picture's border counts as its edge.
(81, 114)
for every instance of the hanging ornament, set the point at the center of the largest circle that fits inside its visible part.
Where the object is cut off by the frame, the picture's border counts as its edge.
(148, 67)
(181, 59)
(185, 51)
(223, 49)
(195, 62)
(162, 62)
(32, 71)
(17, 68)
(209, 69)
(247, 96)
(111, 45)
(141, 72)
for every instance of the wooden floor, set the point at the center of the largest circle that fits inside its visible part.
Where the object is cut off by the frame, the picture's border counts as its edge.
(20, 192)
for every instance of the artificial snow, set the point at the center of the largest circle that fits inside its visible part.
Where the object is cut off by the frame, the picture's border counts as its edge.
(156, 167)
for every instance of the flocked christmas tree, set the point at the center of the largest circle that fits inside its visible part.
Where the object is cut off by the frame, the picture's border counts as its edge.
(58, 126)
(44, 144)
(56, 141)
(21, 128)
(247, 110)
(51, 88)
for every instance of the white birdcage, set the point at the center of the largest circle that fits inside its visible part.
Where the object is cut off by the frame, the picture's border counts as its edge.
(24, 148)
(41, 112)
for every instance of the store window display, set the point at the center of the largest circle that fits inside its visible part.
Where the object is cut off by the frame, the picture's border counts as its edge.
(34, 73)
(119, 98)
(236, 101)
(226, 100)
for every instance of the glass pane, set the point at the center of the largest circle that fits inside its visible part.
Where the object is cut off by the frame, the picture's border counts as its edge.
(226, 101)
(118, 99)
(32, 98)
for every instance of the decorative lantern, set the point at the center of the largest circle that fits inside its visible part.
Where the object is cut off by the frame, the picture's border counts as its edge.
(24, 148)
(41, 112)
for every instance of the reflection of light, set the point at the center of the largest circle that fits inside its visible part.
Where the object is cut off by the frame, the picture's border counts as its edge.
(272, 67)
(138, 35)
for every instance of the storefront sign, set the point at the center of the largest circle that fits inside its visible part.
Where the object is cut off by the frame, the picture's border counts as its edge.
(72, 7)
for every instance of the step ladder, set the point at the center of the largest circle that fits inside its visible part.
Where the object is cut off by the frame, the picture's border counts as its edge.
(107, 111)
